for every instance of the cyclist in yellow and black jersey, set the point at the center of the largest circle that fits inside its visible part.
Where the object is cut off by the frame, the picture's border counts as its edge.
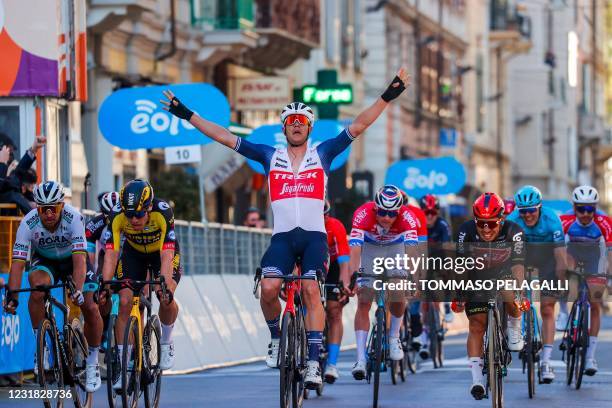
(150, 245)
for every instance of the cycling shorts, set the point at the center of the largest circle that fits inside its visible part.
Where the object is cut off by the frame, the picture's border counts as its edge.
(59, 269)
(372, 257)
(135, 265)
(285, 248)
(333, 277)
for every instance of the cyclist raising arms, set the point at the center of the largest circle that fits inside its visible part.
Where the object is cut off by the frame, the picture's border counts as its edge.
(297, 180)
(546, 252)
(383, 228)
(55, 233)
(500, 244)
(338, 272)
(150, 246)
(588, 241)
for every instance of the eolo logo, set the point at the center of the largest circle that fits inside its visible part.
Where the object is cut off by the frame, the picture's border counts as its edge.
(11, 328)
(147, 118)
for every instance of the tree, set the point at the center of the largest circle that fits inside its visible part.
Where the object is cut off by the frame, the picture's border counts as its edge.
(180, 187)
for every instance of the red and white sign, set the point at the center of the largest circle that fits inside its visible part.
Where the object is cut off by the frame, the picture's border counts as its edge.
(307, 184)
(263, 93)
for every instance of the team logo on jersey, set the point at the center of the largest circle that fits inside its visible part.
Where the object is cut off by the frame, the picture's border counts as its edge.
(172, 235)
(360, 216)
(32, 222)
(409, 219)
(307, 184)
(163, 205)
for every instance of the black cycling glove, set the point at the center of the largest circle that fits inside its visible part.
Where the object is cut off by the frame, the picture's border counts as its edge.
(178, 109)
(394, 90)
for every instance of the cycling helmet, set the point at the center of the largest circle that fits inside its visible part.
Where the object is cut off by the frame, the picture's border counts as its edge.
(509, 205)
(48, 193)
(429, 202)
(297, 108)
(405, 198)
(108, 201)
(388, 197)
(488, 206)
(326, 207)
(585, 195)
(136, 195)
(528, 196)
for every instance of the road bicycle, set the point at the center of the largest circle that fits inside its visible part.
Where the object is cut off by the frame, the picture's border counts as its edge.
(435, 332)
(530, 355)
(496, 356)
(293, 346)
(61, 357)
(138, 365)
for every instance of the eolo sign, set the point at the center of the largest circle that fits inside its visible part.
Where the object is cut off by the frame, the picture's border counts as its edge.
(340, 94)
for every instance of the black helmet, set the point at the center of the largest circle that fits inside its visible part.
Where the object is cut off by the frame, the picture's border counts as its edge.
(136, 195)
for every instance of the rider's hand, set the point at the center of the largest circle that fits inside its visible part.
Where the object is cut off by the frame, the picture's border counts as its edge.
(457, 306)
(10, 304)
(170, 288)
(175, 106)
(78, 298)
(397, 86)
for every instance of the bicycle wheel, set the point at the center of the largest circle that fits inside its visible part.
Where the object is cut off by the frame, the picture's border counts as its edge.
(131, 364)
(491, 344)
(570, 346)
(286, 350)
(151, 358)
(113, 363)
(528, 353)
(50, 373)
(434, 340)
(299, 363)
(409, 352)
(581, 347)
(76, 353)
(378, 352)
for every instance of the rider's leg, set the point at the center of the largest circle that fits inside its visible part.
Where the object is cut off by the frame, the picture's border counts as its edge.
(36, 301)
(270, 304)
(596, 291)
(93, 327)
(514, 333)
(547, 311)
(475, 347)
(334, 330)
(416, 324)
(362, 320)
(315, 319)
(397, 315)
(125, 307)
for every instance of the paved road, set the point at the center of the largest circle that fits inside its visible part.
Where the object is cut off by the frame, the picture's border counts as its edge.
(254, 386)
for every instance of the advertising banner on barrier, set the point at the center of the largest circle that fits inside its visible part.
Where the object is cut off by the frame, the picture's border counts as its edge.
(133, 118)
(324, 129)
(17, 343)
(443, 175)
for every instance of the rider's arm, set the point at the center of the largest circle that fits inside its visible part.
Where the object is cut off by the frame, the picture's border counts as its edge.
(558, 238)
(113, 245)
(518, 253)
(214, 131)
(344, 253)
(79, 252)
(79, 269)
(167, 255)
(355, 260)
(168, 247)
(21, 247)
(371, 113)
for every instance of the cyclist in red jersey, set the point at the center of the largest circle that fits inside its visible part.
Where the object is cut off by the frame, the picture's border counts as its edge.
(339, 255)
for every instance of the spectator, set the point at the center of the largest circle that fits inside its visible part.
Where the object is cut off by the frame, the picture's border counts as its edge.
(11, 184)
(253, 218)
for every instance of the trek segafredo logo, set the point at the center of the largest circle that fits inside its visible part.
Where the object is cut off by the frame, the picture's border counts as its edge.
(307, 184)
(414, 179)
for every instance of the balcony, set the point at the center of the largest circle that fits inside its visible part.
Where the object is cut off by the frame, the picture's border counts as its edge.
(105, 15)
(510, 25)
(268, 33)
(591, 127)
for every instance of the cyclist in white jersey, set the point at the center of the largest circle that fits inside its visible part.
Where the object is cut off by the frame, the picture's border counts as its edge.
(55, 234)
(297, 181)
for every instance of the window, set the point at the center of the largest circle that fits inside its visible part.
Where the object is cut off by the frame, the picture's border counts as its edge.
(9, 123)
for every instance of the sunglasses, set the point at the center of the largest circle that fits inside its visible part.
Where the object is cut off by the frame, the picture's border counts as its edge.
(530, 210)
(482, 224)
(301, 119)
(387, 213)
(585, 209)
(54, 208)
(431, 212)
(135, 214)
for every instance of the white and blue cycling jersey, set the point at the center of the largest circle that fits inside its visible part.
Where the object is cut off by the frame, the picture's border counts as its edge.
(297, 199)
(587, 245)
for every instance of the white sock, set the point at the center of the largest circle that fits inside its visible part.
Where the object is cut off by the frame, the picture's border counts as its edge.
(592, 347)
(92, 358)
(514, 321)
(166, 337)
(396, 324)
(120, 350)
(476, 369)
(362, 339)
(546, 352)
(563, 306)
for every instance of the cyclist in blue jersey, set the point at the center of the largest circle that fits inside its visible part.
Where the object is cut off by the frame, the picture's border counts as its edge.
(546, 253)
(297, 181)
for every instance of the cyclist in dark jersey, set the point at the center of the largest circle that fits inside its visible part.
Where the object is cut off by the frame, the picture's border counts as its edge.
(500, 245)
(339, 255)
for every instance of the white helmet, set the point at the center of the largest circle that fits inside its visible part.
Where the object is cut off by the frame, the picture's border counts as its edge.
(389, 198)
(297, 108)
(108, 201)
(585, 195)
(49, 192)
